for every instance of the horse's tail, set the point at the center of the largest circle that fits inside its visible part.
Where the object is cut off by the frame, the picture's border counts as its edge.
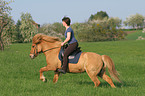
(111, 68)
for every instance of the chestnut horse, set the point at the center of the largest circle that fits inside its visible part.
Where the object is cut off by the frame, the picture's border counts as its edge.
(94, 64)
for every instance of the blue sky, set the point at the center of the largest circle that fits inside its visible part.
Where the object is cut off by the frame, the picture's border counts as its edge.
(50, 11)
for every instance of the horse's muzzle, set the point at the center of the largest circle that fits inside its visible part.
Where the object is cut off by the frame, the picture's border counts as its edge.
(32, 56)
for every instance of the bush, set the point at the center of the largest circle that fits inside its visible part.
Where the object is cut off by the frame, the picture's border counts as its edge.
(55, 29)
(88, 32)
(97, 32)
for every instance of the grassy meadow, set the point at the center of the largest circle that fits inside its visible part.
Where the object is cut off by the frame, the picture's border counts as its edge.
(135, 35)
(19, 75)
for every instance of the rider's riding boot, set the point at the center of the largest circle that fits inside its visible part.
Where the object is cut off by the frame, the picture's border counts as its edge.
(61, 71)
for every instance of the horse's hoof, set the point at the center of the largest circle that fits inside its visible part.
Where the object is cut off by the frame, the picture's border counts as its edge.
(45, 80)
(113, 86)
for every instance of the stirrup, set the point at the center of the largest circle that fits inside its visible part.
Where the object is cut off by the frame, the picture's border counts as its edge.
(61, 71)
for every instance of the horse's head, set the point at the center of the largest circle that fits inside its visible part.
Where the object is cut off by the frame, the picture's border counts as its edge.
(36, 46)
(49, 43)
(35, 50)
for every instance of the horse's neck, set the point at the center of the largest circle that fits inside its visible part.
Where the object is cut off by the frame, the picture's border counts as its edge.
(52, 55)
(54, 48)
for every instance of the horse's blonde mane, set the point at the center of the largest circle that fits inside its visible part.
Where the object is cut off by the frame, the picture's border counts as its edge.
(39, 37)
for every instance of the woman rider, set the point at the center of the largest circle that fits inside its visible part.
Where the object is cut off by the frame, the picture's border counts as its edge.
(72, 43)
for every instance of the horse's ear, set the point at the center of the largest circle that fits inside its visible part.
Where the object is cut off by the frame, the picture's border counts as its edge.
(37, 38)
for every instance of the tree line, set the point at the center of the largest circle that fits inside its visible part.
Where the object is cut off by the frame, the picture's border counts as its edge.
(22, 31)
(99, 27)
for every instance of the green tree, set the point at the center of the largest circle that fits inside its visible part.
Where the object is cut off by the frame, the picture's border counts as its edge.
(28, 28)
(92, 32)
(99, 16)
(55, 29)
(9, 33)
(76, 27)
(135, 21)
(114, 22)
(47, 29)
(59, 29)
(5, 19)
(19, 37)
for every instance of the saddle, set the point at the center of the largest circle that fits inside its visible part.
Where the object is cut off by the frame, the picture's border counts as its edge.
(74, 56)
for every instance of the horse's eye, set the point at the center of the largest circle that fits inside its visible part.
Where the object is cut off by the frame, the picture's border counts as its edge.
(33, 46)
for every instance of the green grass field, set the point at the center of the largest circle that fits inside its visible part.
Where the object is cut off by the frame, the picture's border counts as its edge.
(135, 35)
(19, 75)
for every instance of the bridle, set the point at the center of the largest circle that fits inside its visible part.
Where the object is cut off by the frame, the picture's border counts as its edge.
(36, 51)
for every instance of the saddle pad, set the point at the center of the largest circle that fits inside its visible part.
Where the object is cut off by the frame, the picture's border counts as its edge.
(74, 58)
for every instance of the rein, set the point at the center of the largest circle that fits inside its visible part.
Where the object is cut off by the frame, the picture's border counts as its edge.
(48, 50)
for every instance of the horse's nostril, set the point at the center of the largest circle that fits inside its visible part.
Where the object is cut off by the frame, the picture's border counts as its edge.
(31, 56)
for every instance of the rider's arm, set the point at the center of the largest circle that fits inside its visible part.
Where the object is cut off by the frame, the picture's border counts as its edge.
(67, 39)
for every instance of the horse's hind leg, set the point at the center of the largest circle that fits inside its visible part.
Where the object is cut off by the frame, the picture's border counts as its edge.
(107, 79)
(93, 66)
(93, 76)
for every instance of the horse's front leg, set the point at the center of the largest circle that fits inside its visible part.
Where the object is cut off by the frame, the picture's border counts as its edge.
(42, 77)
(47, 68)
